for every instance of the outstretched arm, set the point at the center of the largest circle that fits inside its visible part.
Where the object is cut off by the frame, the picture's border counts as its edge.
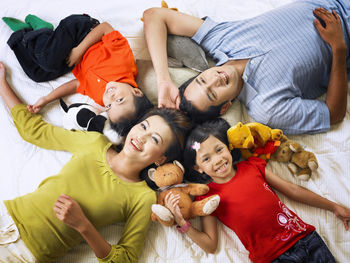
(65, 89)
(332, 34)
(305, 196)
(207, 239)
(33, 129)
(6, 93)
(158, 22)
(93, 37)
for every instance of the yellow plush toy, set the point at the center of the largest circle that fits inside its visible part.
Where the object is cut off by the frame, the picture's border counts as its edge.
(168, 177)
(254, 139)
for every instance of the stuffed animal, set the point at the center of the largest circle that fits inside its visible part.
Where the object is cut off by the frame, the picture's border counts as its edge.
(254, 139)
(301, 163)
(83, 116)
(183, 51)
(169, 177)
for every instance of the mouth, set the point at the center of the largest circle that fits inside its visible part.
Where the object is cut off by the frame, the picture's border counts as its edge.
(136, 145)
(222, 168)
(224, 76)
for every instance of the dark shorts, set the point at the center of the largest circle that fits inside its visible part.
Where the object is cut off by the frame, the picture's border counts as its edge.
(42, 53)
(308, 249)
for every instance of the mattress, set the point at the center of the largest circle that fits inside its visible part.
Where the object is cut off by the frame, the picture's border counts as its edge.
(23, 166)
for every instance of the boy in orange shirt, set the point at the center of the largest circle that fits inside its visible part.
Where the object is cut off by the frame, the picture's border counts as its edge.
(105, 70)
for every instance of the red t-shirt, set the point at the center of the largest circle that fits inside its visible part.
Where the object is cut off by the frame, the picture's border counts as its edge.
(265, 226)
(111, 59)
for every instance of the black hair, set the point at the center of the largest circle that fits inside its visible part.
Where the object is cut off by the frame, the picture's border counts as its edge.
(142, 105)
(195, 114)
(217, 128)
(180, 125)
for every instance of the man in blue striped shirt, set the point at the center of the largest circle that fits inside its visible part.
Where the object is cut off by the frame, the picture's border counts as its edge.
(276, 64)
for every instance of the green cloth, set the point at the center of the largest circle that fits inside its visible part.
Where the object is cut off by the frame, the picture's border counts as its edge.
(15, 24)
(37, 23)
(86, 177)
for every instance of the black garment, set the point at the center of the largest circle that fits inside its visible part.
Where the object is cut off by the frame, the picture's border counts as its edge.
(42, 53)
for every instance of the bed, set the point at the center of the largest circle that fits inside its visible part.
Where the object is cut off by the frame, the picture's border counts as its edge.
(23, 166)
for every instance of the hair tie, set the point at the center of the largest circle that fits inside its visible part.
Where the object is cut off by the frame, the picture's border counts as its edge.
(196, 146)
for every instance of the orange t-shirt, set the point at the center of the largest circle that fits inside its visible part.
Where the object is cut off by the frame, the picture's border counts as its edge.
(111, 59)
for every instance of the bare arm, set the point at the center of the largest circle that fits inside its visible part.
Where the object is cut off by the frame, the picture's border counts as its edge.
(68, 211)
(305, 196)
(6, 93)
(93, 37)
(207, 239)
(158, 22)
(65, 89)
(332, 34)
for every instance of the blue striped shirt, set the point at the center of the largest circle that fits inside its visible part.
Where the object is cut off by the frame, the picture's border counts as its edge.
(289, 63)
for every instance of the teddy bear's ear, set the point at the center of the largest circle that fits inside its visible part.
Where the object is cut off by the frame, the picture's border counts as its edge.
(180, 165)
(295, 147)
(239, 124)
(151, 172)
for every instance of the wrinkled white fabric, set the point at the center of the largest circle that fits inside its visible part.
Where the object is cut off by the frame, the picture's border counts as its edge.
(12, 248)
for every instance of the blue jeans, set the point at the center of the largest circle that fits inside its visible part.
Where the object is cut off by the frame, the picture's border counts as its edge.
(308, 249)
(42, 53)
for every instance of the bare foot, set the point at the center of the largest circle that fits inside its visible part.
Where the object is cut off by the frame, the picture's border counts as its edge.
(2, 73)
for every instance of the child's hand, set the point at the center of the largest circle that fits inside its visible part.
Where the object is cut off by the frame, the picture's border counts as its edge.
(172, 203)
(74, 57)
(35, 108)
(69, 212)
(343, 214)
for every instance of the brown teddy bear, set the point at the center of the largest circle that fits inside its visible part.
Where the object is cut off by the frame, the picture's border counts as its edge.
(169, 177)
(301, 163)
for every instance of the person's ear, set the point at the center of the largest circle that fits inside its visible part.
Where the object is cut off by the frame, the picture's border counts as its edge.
(137, 92)
(151, 172)
(196, 168)
(161, 160)
(225, 107)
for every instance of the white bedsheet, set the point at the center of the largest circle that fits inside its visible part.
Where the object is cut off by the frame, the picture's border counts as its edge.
(23, 166)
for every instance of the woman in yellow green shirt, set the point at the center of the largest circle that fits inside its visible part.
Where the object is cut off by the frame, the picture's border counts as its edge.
(96, 187)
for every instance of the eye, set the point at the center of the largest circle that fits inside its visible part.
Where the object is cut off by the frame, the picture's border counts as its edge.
(205, 159)
(155, 139)
(202, 80)
(219, 149)
(143, 125)
(119, 100)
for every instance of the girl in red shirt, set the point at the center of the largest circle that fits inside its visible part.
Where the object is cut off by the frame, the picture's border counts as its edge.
(268, 229)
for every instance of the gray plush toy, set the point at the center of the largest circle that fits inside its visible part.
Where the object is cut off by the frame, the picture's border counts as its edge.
(183, 51)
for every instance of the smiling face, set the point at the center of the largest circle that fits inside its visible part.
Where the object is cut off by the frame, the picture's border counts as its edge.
(214, 159)
(119, 100)
(149, 140)
(213, 87)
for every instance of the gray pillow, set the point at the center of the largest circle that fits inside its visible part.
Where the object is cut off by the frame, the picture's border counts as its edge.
(183, 51)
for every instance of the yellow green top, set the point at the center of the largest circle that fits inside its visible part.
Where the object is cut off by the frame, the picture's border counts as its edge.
(87, 178)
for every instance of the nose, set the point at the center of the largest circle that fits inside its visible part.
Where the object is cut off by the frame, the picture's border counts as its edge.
(213, 82)
(217, 160)
(142, 139)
